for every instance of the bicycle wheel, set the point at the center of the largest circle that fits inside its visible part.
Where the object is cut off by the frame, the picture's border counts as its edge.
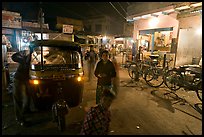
(199, 91)
(132, 71)
(154, 77)
(170, 80)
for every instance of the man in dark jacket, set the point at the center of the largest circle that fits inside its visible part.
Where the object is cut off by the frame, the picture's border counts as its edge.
(21, 95)
(105, 72)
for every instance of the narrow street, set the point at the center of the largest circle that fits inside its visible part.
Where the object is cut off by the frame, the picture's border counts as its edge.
(62, 37)
(137, 110)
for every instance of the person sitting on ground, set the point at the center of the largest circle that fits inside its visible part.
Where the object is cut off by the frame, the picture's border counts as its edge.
(97, 119)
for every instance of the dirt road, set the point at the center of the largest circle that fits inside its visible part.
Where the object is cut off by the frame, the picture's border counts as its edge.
(137, 110)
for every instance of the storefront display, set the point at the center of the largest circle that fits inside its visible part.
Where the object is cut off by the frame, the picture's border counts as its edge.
(163, 40)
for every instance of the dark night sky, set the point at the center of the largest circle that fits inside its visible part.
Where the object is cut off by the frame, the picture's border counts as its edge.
(77, 10)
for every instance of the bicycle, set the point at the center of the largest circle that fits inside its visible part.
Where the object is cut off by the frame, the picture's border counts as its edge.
(155, 75)
(137, 69)
(188, 77)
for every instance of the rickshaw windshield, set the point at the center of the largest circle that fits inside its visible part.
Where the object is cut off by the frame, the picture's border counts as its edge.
(55, 57)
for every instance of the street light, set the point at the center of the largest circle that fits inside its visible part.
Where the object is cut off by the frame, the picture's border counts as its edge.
(104, 38)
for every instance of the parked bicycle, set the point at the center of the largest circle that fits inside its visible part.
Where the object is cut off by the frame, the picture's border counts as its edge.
(188, 76)
(137, 69)
(154, 76)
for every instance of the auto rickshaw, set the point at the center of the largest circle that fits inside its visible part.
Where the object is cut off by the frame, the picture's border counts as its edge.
(56, 77)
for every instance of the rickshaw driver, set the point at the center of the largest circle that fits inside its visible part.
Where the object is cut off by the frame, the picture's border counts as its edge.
(21, 95)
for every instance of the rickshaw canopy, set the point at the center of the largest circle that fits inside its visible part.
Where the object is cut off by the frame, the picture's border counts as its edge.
(56, 43)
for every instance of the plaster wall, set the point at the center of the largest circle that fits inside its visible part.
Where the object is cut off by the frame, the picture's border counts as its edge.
(190, 22)
(189, 41)
(165, 21)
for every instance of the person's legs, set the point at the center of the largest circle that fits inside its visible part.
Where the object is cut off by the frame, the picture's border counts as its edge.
(89, 70)
(21, 101)
(31, 104)
(98, 94)
(26, 97)
(18, 101)
(92, 70)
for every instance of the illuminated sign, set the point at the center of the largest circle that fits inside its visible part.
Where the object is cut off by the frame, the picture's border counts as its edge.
(67, 29)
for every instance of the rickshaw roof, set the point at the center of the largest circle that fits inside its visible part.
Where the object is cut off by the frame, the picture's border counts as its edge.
(55, 43)
(88, 45)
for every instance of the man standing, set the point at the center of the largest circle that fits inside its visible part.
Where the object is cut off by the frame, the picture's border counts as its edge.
(21, 95)
(105, 72)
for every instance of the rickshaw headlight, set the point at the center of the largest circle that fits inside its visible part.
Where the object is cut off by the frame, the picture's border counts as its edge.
(79, 79)
(35, 82)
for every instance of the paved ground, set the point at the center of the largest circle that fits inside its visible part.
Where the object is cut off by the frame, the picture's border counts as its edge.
(137, 110)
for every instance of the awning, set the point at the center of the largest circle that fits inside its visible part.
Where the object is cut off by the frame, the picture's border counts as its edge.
(37, 30)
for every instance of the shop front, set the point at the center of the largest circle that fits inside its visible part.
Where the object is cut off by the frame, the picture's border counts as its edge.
(170, 29)
(11, 28)
(155, 35)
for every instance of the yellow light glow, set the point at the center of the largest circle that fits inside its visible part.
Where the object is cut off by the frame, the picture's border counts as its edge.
(35, 82)
(153, 22)
(79, 79)
(199, 31)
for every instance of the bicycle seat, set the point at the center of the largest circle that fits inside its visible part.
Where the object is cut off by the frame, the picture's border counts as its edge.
(128, 61)
(154, 56)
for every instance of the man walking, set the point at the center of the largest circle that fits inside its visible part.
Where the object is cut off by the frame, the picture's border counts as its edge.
(105, 72)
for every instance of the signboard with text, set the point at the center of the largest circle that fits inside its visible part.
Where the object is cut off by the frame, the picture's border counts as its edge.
(67, 29)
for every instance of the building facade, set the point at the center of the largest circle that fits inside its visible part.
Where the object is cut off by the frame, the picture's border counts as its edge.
(167, 27)
(105, 27)
(11, 28)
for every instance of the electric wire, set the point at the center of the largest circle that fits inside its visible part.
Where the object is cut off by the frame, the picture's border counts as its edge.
(116, 10)
(98, 11)
(122, 8)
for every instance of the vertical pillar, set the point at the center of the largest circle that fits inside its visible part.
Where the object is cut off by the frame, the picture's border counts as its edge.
(152, 49)
(72, 37)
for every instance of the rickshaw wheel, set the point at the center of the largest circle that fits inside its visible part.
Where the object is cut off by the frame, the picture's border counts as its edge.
(61, 122)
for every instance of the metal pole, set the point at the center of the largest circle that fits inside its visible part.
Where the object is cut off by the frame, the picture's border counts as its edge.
(152, 49)
(41, 31)
(164, 61)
